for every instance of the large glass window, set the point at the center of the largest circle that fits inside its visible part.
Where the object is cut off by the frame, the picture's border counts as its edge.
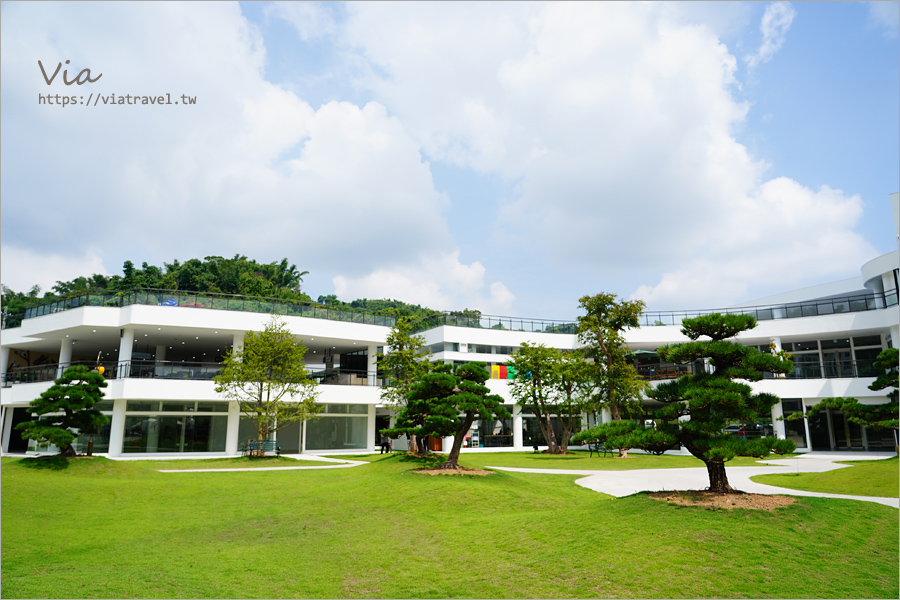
(495, 433)
(181, 433)
(337, 433)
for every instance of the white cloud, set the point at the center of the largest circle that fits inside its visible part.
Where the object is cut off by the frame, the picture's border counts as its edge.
(774, 26)
(24, 268)
(783, 234)
(250, 169)
(439, 281)
(885, 15)
(617, 124)
(312, 20)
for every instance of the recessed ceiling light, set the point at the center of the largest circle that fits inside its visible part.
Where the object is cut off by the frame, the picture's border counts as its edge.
(196, 338)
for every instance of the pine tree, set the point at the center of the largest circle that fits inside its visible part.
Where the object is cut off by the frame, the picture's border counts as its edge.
(66, 408)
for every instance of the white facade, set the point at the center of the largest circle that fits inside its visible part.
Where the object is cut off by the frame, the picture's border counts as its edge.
(161, 351)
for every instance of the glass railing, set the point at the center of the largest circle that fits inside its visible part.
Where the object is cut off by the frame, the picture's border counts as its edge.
(496, 323)
(815, 370)
(150, 297)
(178, 370)
(793, 310)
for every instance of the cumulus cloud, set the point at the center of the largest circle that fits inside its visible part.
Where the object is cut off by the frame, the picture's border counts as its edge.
(440, 281)
(615, 126)
(25, 267)
(775, 24)
(783, 233)
(251, 168)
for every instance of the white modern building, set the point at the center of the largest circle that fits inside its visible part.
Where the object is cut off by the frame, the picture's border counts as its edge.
(161, 350)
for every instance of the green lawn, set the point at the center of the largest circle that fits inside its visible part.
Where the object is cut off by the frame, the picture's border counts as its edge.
(101, 528)
(864, 478)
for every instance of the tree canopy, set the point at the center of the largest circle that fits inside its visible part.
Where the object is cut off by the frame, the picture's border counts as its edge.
(268, 378)
(66, 408)
(552, 383)
(712, 397)
(601, 330)
(447, 401)
(403, 364)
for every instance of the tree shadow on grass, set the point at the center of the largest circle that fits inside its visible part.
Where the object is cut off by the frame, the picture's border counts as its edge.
(46, 463)
(424, 461)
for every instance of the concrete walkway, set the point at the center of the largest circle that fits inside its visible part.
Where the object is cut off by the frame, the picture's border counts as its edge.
(336, 463)
(626, 483)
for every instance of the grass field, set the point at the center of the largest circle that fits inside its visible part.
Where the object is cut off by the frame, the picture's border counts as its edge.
(864, 478)
(101, 528)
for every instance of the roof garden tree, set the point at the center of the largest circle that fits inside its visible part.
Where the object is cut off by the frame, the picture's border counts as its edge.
(601, 330)
(715, 396)
(66, 408)
(404, 363)
(874, 416)
(268, 379)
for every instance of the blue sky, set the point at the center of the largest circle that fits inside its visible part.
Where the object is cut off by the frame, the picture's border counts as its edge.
(509, 157)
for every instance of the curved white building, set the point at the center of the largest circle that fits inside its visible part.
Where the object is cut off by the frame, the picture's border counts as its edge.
(161, 350)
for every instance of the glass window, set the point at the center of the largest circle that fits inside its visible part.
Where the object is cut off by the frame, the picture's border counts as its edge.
(841, 343)
(185, 433)
(141, 406)
(179, 406)
(337, 433)
(794, 430)
(800, 346)
(104, 406)
(212, 407)
(869, 340)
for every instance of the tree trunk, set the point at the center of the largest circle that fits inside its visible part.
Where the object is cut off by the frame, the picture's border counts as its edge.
(69, 451)
(413, 443)
(90, 448)
(718, 480)
(623, 453)
(453, 458)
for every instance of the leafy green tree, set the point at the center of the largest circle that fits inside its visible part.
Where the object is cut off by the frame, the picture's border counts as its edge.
(713, 397)
(268, 378)
(548, 383)
(404, 363)
(600, 330)
(67, 407)
(533, 386)
(873, 416)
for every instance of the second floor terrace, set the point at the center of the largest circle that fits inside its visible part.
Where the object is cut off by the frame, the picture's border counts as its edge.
(469, 319)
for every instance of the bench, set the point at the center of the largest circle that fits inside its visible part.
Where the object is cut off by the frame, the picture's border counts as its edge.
(259, 448)
(598, 448)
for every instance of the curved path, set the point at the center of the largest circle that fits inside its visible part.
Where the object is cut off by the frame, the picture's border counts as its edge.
(337, 464)
(626, 483)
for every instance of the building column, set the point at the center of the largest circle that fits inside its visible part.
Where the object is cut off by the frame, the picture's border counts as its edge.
(232, 443)
(777, 424)
(237, 343)
(65, 356)
(4, 422)
(370, 433)
(117, 428)
(126, 346)
(372, 364)
(4, 361)
(159, 357)
(517, 427)
(895, 336)
(605, 416)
